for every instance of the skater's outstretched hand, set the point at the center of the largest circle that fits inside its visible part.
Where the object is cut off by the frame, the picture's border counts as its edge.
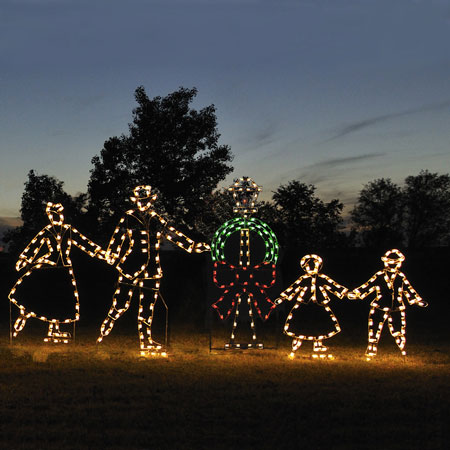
(202, 247)
(21, 264)
(101, 254)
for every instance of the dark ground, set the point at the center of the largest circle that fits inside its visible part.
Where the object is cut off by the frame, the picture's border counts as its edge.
(83, 396)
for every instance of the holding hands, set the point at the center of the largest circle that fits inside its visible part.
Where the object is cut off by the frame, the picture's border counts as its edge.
(21, 263)
(279, 301)
(201, 247)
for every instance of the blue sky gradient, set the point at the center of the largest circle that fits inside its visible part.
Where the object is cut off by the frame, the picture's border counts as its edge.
(334, 93)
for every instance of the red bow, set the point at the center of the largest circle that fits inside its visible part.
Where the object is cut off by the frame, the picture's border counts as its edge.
(238, 280)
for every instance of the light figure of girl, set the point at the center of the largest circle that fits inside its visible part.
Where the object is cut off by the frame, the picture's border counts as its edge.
(311, 318)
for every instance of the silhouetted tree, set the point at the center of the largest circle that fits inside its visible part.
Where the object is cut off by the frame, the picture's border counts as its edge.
(40, 189)
(303, 220)
(378, 214)
(170, 146)
(427, 202)
(268, 213)
(218, 209)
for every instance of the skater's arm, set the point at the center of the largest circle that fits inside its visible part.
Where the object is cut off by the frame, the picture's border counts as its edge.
(31, 251)
(411, 294)
(120, 244)
(86, 245)
(182, 241)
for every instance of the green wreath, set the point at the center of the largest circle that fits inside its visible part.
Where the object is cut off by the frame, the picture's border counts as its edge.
(258, 226)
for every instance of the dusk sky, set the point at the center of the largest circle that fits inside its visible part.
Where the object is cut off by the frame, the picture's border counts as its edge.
(331, 92)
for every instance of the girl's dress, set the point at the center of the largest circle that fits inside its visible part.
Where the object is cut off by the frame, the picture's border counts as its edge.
(311, 318)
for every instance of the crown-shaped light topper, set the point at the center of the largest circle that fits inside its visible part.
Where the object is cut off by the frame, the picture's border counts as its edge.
(245, 193)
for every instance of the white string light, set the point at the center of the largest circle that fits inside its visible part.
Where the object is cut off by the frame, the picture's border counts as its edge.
(245, 193)
(134, 251)
(391, 288)
(311, 289)
(243, 289)
(50, 249)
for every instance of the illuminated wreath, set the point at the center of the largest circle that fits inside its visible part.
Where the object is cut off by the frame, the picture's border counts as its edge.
(237, 224)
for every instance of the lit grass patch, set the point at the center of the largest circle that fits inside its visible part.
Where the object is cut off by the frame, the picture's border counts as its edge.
(87, 396)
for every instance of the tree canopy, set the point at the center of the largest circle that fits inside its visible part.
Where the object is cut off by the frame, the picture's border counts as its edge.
(415, 215)
(303, 220)
(175, 149)
(378, 214)
(170, 146)
(427, 209)
(40, 189)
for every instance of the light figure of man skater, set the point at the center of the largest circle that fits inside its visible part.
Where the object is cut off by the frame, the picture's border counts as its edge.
(391, 288)
(134, 252)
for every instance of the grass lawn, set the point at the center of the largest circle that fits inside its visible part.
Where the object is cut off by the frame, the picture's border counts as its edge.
(83, 396)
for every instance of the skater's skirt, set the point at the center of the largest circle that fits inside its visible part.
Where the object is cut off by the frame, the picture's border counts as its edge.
(47, 292)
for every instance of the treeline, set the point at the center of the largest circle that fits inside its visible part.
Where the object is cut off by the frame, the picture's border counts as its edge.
(385, 215)
(175, 149)
(415, 215)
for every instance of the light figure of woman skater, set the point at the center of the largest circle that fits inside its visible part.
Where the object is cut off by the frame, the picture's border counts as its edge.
(46, 288)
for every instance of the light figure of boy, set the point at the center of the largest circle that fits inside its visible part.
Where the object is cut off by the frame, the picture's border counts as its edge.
(391, 288)
(134, 251)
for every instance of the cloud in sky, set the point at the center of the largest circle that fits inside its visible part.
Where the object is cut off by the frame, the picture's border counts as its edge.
(336, 162)
(365, 123)
(261, 136)
(331, 176)
(321, 171)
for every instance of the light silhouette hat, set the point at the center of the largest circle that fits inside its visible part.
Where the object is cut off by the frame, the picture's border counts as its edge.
(393, 256)
(143, 192)
(304, 263)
